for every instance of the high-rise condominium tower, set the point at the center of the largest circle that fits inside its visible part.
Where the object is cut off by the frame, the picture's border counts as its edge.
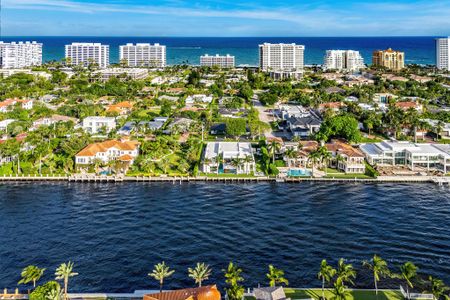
(343, 60)
(443, 53)
(391, 59)
(20, 55)
(85, 54)
(143, 55)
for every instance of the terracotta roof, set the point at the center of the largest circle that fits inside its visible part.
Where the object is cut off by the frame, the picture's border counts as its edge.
(9, 102)
(343, 148)
(118, 107)
(406, 104)
(95, 148)
(126, 157)
(200, 293)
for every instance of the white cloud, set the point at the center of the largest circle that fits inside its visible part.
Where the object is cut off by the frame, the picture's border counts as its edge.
(381, 18)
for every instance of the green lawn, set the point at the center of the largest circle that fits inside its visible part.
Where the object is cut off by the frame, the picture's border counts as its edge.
(227, 175)
(334, 173)
(295, 294)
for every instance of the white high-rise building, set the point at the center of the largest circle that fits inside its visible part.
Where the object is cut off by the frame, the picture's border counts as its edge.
(343, 60)
(20, 55)
(87, 53)
(223, 61)
(282, 60)
(443, 54)
(143, 55)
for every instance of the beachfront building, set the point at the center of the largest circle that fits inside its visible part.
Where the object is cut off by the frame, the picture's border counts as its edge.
(390, 59)
(429, 157)
(228, 158)
(282, 60)
(9, 104)
(222, 61)
(343, 60)
(84, 54)
(20, 55)
(120, 73)
(443, 54)
(143, 55)
(124, 151)
(96, 125)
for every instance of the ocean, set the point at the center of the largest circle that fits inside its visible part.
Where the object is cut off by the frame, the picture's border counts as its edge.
(115, 233)
(419, 50)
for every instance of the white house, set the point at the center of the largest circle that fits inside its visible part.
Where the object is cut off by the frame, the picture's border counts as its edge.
(414, 156)
(124, 151)
(8, 104)
(5, 123)
(228, 158)
(94, 124)
(198, 99)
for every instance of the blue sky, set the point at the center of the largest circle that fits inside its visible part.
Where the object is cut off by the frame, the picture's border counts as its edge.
(225, 18)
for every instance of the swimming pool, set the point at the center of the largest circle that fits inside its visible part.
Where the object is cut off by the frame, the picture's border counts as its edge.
(298, 172)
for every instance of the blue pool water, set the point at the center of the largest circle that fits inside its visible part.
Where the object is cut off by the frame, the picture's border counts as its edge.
(298, 172)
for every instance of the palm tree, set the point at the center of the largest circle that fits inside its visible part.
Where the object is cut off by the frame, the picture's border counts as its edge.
(232, 278)
(248, 159)
(439, 127)
(345, 271)
(64, 272)
(236, 162)
(313, 158)
(291, 154)
(379, 268)
(437, 287)
(31, 274)
(55, 293)
(407, 272)
(201, 272)
(325, 157)
(274, 147)
(326, 273)
(339, 291)
(276, 276)
(160, 272)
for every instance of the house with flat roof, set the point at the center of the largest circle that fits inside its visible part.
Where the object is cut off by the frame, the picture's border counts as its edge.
(429, 157)
(94, 125)
(228, 158)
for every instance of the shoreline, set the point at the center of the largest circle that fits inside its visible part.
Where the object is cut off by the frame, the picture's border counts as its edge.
(441, 181)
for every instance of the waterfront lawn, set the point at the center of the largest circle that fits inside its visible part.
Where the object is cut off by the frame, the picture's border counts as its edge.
(334, 173)
(227, 175)
(353, 294)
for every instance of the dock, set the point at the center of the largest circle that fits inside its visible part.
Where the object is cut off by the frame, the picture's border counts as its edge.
(91, 178)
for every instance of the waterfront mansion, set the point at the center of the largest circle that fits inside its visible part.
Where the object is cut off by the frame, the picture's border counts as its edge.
(228, 158)
(429, 157)
(124, 151)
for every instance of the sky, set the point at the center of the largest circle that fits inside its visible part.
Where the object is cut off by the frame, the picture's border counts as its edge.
(219, 18)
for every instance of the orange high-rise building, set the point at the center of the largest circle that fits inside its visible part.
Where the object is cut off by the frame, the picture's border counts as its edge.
(391, 59)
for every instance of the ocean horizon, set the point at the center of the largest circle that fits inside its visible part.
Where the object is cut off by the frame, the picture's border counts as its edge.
(418, 49)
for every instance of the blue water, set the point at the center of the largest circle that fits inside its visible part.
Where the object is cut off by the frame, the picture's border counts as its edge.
(419, 50)
(115, 233)
(298, 172)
